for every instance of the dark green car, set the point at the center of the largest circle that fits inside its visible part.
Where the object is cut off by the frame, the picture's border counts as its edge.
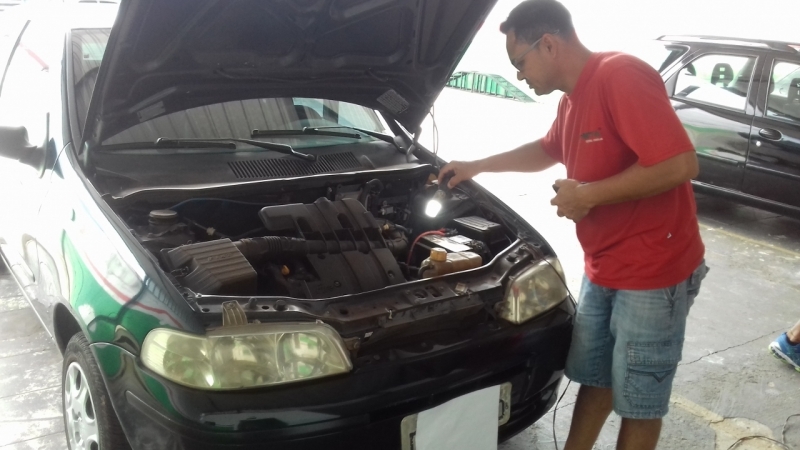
(218, 211)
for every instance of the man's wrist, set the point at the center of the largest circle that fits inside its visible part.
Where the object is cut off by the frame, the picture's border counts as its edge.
(478, 166)
(586, 193)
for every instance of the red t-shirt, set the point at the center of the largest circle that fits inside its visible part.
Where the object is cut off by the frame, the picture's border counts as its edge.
(618, 115)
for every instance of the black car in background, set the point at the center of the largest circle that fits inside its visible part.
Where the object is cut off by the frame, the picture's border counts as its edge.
(739, 100)
(219, 211)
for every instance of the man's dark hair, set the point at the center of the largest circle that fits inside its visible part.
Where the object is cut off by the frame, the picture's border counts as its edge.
(531, 19)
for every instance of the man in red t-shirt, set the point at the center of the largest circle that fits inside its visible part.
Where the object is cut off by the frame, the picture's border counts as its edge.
(629, 165)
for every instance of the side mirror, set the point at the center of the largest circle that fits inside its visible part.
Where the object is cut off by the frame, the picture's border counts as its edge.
(14, 145)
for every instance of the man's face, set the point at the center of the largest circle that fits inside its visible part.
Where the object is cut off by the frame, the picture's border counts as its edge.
(531, 63)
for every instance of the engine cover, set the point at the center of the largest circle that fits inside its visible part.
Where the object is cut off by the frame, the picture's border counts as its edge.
(359, 259)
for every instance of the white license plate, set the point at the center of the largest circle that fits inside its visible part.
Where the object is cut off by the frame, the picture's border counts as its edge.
(464, 423)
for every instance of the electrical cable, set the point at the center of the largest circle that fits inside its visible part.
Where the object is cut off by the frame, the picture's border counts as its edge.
(752, 438)
(435, 138)
(782, 442)
(555, 410)
(571, 297)
(786, 424)
(427, 233)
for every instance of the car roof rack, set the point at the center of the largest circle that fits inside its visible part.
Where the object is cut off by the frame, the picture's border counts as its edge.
(736, 42)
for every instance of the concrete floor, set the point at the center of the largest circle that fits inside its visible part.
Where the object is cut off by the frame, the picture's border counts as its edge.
(727, 387)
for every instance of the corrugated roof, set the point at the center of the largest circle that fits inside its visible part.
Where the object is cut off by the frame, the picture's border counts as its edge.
(489, 84)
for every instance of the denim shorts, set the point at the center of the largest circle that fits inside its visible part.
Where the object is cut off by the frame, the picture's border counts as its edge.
(631, 342)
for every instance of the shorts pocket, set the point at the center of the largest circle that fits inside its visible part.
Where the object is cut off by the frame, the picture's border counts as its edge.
(694, 281)
(650, 371)
(670, 293)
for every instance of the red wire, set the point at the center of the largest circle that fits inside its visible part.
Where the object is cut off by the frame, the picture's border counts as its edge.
(427, 233)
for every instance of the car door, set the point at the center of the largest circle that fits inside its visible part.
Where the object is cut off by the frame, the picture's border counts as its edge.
(28, 91)
(709, 92)
(773, 165)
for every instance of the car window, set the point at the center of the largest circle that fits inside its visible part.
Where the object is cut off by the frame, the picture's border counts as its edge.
(88, 47)
(237, 119)
(721, 80)
(31, 77)
(783, 101)
(233, 119)
(658, 55)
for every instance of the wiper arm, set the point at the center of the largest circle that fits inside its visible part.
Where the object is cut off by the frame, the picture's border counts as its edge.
(305, 131)
(228, 143)
(374, 134)
(323, 131)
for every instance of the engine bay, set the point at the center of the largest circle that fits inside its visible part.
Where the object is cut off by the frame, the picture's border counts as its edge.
(318, 242)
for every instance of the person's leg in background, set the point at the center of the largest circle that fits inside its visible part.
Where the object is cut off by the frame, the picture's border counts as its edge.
(787, 347)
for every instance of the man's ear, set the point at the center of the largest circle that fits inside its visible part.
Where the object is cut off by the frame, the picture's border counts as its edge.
(551, 45)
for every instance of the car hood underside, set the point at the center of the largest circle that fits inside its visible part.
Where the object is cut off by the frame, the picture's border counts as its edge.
(171, 55)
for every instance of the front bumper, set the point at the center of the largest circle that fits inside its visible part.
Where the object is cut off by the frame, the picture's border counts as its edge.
(360, 410)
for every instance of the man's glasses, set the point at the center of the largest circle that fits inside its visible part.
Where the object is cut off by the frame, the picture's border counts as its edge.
(517, 62)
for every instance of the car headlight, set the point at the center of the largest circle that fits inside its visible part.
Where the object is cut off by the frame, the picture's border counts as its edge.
(246, 356)
(536, 290)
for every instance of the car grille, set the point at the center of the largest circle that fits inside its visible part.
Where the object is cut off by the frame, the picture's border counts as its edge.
(277, 168)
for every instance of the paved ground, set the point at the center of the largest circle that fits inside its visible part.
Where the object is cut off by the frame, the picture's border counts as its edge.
(727, 387)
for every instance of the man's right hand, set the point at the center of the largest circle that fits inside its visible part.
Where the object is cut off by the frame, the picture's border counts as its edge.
(460, 171)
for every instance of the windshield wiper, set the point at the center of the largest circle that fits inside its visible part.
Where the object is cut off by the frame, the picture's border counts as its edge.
(323, 131)
(374, 134)
(305, 131)
(229, 143)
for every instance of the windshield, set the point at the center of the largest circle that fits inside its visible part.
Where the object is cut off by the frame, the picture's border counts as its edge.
(233, 119)
(783, 74)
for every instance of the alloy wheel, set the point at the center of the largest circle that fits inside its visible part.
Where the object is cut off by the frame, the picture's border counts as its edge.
(82, 429)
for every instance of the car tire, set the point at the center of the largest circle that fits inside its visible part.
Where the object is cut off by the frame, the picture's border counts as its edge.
(89, 419)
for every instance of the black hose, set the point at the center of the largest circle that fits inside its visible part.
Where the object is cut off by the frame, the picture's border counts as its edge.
(372, 186)
(423, 268)
(398, 246)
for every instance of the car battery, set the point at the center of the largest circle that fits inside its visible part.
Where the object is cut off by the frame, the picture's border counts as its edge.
(453, 244)
(479, 229)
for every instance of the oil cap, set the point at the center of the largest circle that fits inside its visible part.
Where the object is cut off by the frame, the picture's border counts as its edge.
(163, 217)
(438, 254)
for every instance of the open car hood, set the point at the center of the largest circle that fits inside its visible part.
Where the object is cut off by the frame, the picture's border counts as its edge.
(171, 55)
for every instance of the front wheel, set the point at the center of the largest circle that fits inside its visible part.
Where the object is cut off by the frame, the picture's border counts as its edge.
(89, 419)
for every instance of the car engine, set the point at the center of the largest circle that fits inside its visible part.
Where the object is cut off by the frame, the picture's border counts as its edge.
(344, 243)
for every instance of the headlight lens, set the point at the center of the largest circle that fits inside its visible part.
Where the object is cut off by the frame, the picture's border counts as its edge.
(535, 291)
(248, 356)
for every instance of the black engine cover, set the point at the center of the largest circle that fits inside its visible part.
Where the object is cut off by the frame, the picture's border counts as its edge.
(362, 263)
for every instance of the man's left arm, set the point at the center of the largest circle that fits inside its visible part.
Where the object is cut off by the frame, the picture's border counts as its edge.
(575, 199)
